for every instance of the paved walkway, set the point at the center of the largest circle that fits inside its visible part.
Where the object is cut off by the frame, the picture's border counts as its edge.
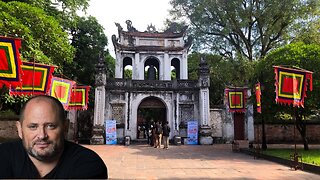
(190, 162)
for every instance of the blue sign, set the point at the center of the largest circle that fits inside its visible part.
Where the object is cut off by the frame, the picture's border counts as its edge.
(192, 132)
(111, 132)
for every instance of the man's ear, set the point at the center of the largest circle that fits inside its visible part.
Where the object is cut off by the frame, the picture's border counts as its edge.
(19, 127)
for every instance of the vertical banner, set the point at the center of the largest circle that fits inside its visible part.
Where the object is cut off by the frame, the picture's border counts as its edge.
(258, 97)
(192, 132)
(111, 132)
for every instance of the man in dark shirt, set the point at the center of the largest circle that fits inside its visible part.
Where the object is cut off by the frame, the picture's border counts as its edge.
(42, 151)
(166, 134)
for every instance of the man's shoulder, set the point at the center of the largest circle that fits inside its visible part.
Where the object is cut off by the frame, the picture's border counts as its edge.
(72, 147)
(87, 162)
(77, 151)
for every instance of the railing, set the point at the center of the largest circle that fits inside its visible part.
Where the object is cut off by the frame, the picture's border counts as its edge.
(129, 84)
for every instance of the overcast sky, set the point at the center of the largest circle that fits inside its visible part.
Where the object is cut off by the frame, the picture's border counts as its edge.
(141, 12)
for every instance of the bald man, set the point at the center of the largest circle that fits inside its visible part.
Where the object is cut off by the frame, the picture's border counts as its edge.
(42, 151)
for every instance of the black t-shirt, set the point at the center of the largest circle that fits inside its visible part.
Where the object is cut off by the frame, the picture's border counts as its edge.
(166, 130)
(76, 162)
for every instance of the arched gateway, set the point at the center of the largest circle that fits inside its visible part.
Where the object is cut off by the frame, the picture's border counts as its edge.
(151, 81)
(150, 110)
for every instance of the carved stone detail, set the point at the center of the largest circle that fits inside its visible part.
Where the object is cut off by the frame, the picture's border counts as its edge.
(186, 97)
(186, 113)
(97, 135)
(117, 97)
(100, 79)
(204, 73)
(130, 28)
(118, 113)
(204, 67)
(119, 27)
(151, 28)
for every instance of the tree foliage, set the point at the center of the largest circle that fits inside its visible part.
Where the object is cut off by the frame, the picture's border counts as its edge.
(43, 39)
(309, 34)
(45, 28)
(247, 28)
(57, 7)
(306, 56)
(224, 72)
(90, 41)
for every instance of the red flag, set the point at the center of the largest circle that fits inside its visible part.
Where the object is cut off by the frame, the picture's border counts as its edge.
(236, 99)
(36, 79)
(258, 97)
(79, 98)
(291, 85)
(10, 62)
(61, 89)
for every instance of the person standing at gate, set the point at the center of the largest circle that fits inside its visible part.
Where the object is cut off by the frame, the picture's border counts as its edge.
(158, 132)
(166, 134)
(153, 133)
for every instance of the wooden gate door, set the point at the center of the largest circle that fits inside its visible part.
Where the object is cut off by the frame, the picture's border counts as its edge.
(238, 126)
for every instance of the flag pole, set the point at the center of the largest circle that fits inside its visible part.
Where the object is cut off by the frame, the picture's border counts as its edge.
(295, 157)
(33, 75)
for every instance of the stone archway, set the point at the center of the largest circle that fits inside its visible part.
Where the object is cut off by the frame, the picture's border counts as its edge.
(152, 68)
(150, 110)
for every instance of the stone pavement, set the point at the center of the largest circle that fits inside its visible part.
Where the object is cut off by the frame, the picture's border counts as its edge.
(217, 161)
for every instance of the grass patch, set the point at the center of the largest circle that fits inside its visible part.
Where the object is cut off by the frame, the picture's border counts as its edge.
(312, 156)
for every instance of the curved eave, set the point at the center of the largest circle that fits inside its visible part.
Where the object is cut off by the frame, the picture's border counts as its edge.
(153, 35)
(148, 48)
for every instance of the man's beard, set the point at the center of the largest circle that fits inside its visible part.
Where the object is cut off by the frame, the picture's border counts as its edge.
(51, 152)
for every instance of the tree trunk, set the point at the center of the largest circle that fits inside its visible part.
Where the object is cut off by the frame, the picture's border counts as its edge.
(305, 144)
(301, 126)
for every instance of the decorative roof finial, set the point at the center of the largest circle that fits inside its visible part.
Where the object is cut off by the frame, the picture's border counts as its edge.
(151, 28)
(130, 28)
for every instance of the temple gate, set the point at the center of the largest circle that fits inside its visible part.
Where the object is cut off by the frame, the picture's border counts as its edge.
(158, 83)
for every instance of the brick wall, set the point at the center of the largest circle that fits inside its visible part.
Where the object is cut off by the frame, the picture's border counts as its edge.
(275, 133)
(8, 129)
(284, 133)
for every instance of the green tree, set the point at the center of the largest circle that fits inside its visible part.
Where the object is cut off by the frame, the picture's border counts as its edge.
(128, 73)
(89, 40)
(309, 33)
(224, 72)
(64, 11)
(58, 8)
(306, 56)
(247, 28)
(43, 39)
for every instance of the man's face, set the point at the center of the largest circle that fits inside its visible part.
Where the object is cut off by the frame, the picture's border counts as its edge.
(41, 131)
